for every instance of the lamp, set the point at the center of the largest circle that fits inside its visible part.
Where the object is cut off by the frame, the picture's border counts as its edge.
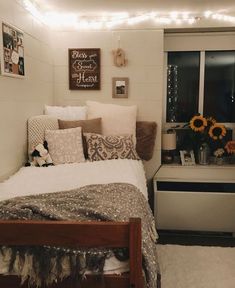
(168, 146)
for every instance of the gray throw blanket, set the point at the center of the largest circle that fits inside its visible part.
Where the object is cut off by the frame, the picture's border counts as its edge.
(105, 202)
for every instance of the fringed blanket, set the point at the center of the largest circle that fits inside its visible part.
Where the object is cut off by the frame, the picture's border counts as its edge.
(104, 202)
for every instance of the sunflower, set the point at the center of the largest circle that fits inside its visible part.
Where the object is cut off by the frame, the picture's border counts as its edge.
(198, 123)
(217, 131)
(230, 146)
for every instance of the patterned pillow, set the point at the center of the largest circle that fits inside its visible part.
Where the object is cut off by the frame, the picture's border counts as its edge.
(102, 147)
(65, 146)
(88, 126)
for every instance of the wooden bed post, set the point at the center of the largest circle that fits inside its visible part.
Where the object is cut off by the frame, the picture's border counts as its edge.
(136, 275)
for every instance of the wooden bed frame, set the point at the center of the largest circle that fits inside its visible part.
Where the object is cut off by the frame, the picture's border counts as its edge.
(79, 234)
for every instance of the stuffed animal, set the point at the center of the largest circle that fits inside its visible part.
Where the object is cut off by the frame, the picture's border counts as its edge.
(41, 156)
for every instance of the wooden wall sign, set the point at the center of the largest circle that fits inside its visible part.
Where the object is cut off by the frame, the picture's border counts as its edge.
(84, 69)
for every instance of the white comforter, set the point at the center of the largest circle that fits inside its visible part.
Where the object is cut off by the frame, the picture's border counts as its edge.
(38, 180)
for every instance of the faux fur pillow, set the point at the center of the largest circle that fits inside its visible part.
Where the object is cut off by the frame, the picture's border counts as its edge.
(65, 146)
(146, 132)
(110, 147)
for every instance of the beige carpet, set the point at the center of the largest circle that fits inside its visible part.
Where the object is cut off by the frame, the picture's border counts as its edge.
(196, 266)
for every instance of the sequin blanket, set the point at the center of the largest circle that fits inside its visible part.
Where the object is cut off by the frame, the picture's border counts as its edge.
(105, 202)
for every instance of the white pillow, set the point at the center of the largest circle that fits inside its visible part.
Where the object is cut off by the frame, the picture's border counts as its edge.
(116, 119)
(67, 113)
(65, 145)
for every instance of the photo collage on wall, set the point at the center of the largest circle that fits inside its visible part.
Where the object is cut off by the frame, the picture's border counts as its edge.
(13, 51)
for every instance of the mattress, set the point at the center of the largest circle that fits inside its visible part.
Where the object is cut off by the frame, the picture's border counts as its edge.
(39, 180)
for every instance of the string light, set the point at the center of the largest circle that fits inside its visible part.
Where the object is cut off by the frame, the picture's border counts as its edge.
(112, 20)
(220, 17)
(33, 10)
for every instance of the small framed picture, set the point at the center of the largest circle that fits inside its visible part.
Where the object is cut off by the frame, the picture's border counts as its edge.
(120, 87)
(187, 157)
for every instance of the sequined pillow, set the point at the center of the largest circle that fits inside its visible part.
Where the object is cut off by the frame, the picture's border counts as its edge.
(102, 147)
(65, 146)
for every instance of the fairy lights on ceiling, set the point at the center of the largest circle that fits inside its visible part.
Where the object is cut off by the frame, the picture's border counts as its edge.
(219, 17)
(115, 20)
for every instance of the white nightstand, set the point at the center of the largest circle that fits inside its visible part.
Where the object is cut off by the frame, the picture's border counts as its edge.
(199, 198)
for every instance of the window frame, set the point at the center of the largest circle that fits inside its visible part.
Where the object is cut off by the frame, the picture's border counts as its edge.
(168, 125)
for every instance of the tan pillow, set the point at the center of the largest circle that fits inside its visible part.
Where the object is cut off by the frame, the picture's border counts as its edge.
(88, 126)
(116, 119)
(110, 147)
(65, 146)
(146, 132)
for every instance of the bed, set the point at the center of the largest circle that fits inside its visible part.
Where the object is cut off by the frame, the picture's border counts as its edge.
(35, 198)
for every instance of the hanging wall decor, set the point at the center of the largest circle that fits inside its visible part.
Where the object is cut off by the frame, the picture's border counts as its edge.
(119, 58)
(12, 61)
(84, 69)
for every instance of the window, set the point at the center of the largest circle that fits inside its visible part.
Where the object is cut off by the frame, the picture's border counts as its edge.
(182, 85)
(201, 82)
(219, 85)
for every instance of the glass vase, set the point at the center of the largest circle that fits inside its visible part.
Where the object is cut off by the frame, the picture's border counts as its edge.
(204, 154)
(219, 160)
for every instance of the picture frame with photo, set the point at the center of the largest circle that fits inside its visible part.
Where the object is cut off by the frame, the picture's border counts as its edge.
(120, 86)
(12, 51)
(187, 157)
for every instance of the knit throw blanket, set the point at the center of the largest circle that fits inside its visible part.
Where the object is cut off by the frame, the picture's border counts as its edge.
(103, 202)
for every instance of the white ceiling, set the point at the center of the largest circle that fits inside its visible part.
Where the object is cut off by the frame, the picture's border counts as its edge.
(97, 7)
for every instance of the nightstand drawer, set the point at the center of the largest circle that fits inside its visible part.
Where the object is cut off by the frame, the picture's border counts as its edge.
(199, 198)
(198, 211)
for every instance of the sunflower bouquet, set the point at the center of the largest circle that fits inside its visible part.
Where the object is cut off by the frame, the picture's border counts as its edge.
(207, 130)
